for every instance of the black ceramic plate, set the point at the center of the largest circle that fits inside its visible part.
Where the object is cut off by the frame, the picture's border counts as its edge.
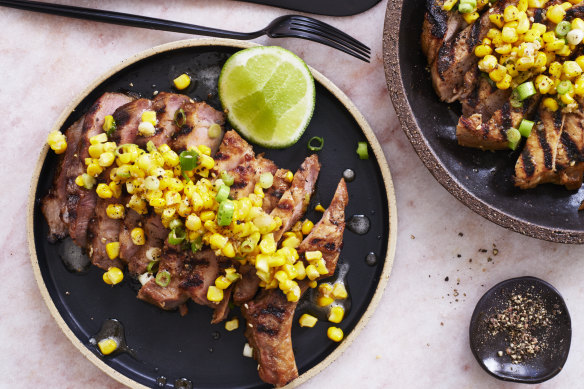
(481, 180)
(164, 344)
(555, 339)
(322, 7)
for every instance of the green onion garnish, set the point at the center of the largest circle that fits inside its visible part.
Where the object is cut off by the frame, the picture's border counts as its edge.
(222, 193)
(214, 131)
(564, 87)
(152, 266)
(163, 278)
(180, 118)
(362, 150)
(467, 6)
(174, 224)
(197, 244)
(150, 146)
(188, 160)
(109, 125)
(176, 236)
(526, 90)
(227, 178)
(563, 28)
(266, 180)
(525, 128)
(513, 137)
(225, 213)
(316, 143)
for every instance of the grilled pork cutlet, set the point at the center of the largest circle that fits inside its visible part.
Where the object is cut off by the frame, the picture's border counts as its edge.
(53, 204)
(246, 175)
(199, 117)
(127, 247)
(473, 132)
(81, 202)
(270, 314)
(294, 201)
(439, 27)
(166, 106)
(128, 118)
(570, 154)
(233, 151)
(456, 57)
(155, 234)
(485, 98)
(537, 162)
(273, 194)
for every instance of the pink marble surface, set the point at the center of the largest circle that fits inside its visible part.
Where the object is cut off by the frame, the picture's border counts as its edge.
(417, 338)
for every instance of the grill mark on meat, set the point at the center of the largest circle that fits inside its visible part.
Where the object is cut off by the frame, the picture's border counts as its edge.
(576, 11)
(547, 152)
(528, 165)
(285, 206)
(267, 330)
(445, 58)
(274, 311)
(438, 19)
(192, 281)
(474, 37)
(538, 16)
(506, 112)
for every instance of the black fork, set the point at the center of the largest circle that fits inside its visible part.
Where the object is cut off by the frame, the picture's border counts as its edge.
(287, 26)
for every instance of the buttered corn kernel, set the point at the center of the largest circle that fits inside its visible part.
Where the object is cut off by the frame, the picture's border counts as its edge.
(138, 236)
(307, 320)
(57, 142)
(112, 249)
(214, 294)
(335, 334)
(107, 346)
(182, 82)
(113, 276)
(232, 324)
(336, 314)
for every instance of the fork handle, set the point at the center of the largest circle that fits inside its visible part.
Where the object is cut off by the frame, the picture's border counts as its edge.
(125, 19)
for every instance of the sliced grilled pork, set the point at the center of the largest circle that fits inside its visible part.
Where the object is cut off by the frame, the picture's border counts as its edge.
(128, 249)
(81, 202)
(233, 151)
(274, 193)
(473, 132)
(485, 98)
(269, 315)
(247, 287)
(439, 26)
(456, 57)
(53, 204)
(246, 175)
(128, 118)
(576, 11)
(327, 235)
(166, 105)
(155, 233)
(199, 117)
(294, 201)
(536, 164)
(570, 154)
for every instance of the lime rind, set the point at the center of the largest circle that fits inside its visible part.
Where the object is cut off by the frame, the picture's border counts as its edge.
(269, 95)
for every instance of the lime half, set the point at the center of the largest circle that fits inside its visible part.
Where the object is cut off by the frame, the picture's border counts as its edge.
(268, 94)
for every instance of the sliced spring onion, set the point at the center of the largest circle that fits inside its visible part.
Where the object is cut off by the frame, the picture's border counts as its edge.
(525, 127)
(526, 90)
(563, 28)
(564, 87)
(163, 278)
(197, 244)
(188, 160)
(152, 266)
(362, 151)
(227, 178)
(468, 6)
(266, 180)
(225, 213)
(174, 224)
(222, 193)
(513, 137)
(176, 236)
(180, 118)
(214, 131)
(316, 143)
(150, 146)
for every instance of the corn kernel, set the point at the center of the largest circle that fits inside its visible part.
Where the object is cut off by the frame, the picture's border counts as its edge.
(551, 104)
(57, 141)
(232, 324)
(267, 244)
(228, 250)
(578, 24)
(113, 275)
(470, 17)
(323, 301)
(571, 69)
(313, 255)
(522, 23)
(555, 70)
(182, 82)
(339, 291)
(94, 169)
(497, 20)
(222, 282)
(138, 237)
(79, 180)
(498, 73)
(556, 13)
(567, 99)
(505, 83)
(488, 63)
(293, 293)
(335, 334)
(336, 314)
(206, 162)
(311, 272)
(510, 13)
(113, 250)
(504, 49)
(307, 320)
(524, 63)
(321, 267)
(307, 227)
(115, 211)
(149, 117)
(522, 5)
(543, 84)
(103, 191)
(509, 35)
(218, 241)
(97, 139)
(214, 294)
(107, 346)
(579, 86)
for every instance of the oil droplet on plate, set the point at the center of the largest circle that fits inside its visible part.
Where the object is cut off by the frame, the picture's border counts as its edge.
(216, 335)
(183, 383)
(349, 175)
(371, 259)
(161, 381)
(359, 224)
(112, 329)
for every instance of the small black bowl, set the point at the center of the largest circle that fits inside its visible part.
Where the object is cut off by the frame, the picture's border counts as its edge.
(546, 363)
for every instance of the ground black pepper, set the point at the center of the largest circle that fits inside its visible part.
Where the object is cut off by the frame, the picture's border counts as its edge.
(524, 316)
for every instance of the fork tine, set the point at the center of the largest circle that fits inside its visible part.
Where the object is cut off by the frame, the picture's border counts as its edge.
(316, 36)
(327, 41)
(327, 28)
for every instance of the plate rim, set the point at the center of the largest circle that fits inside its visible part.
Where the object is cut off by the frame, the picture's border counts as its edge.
(403, 110)
(327, 84)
